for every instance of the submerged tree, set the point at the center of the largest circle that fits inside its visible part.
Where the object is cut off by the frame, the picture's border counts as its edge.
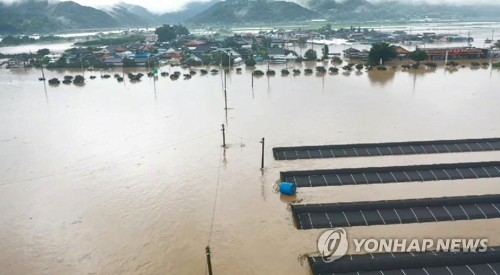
(250, 62)
(381, 51)
(79, 79)
(310, 55)
(43, 52)
(337, 60)
(418, 55)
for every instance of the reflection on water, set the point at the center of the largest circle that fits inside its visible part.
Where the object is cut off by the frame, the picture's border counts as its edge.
(382, 78)
(115, 177)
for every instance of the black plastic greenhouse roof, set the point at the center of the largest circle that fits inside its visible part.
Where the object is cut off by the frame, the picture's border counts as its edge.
(430, 263)
(387, 149)
(395, 174)
(317, 216)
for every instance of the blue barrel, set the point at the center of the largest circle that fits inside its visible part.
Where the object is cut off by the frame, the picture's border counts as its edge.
(289, 189)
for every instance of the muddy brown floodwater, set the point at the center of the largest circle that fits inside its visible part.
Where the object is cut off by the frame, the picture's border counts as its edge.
(120, 178)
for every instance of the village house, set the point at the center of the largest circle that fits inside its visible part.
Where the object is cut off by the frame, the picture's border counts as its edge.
(173, 54)
(201, 50)
(277, 53)
(456, 53)
(353, 53)
(52, 57)
(17, 62)
(114, 61)
(143, 59)
(402, 53)
(194, 43)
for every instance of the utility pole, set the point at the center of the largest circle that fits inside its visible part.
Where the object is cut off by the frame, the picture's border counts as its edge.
(223, 136)
(209, 260)
(225, 91)
(262, 162)
(225, 99)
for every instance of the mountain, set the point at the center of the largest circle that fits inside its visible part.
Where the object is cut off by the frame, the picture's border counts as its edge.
(49, 16)
(362, 10)
(41, 16)
(190, 10)
(131, 15)
(140, 16)
(44, 16)
(253, 11)
(72, 14)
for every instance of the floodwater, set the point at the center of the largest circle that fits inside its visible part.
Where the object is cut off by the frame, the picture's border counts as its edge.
(58, 47)
(121, 178)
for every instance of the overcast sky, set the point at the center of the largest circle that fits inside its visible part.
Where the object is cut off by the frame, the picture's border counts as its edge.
(175, 5)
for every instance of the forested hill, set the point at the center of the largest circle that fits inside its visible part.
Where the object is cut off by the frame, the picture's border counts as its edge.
(256, 11)
(43, 16)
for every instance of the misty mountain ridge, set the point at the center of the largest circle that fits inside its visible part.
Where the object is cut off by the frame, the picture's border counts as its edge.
(43, 16)
(253, 11)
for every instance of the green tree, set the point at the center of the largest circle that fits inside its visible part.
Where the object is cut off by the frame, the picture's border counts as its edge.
(250, 62)
(43, 52)
(381, 51)
(166, 33)
(431, 65)
(310, 55)
(325, 51)
(337, 61)
(359, 67)
(418, 55)
(61, 62)
(79, 79)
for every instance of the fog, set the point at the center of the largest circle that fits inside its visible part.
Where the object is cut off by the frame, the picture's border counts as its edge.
(177, 5)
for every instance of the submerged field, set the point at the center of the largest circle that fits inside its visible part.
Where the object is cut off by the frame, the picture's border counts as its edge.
(121, 177)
